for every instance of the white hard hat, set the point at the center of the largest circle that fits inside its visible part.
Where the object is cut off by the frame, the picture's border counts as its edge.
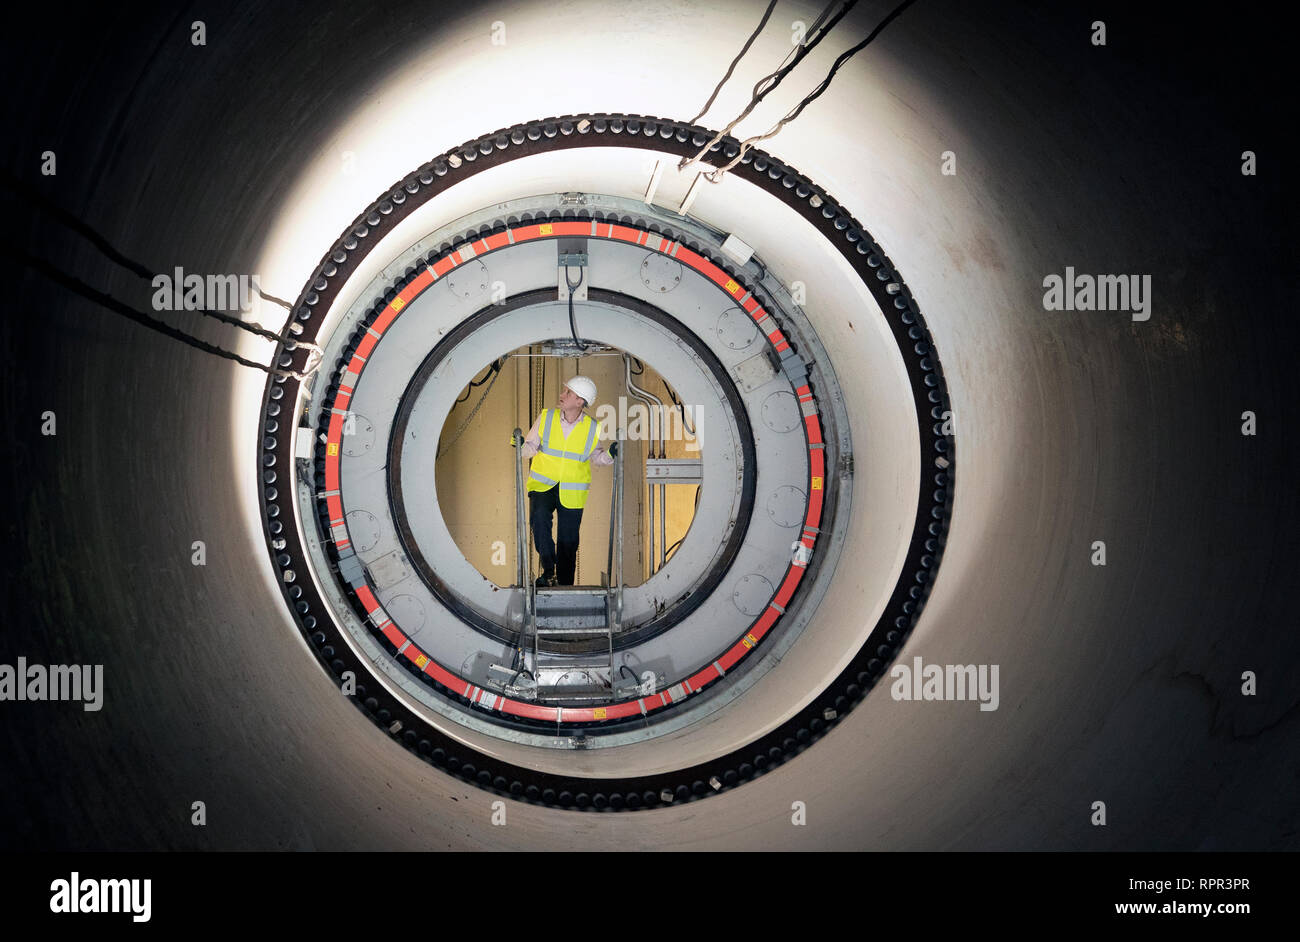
(584, 387)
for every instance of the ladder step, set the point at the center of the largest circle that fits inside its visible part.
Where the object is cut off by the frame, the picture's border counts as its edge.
(554, 664)
(586, 695)
(571, 612)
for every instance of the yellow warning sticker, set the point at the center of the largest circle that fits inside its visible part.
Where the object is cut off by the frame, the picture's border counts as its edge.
(398, 304)
(332, 449)
(750, 641)
(731, 287)
(547, 228)
(600, 713)
(817, 484)
(421, 661)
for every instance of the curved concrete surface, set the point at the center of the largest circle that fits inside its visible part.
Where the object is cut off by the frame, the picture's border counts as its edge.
(1119, 684)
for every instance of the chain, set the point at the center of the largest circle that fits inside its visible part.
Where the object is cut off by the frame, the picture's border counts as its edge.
(470, 418)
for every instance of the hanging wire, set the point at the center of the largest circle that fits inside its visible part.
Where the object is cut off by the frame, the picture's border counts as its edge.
(769, 83)
(716, 175)
(475, 383)
(669, 552)
(125, 310)
(678, 403)
(734, 62)
(444, 448)
(60, 215)
(573, 327)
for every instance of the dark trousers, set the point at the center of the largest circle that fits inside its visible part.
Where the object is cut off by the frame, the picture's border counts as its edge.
(562, 560)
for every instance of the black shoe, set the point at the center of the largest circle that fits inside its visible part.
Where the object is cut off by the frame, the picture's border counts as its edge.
(545, 582)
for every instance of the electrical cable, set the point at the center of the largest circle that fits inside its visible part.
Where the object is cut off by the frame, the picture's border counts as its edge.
(474, 383)
(668, 552)
(494, 365)
(678, 403)
(105, 248)
(573, 327)
(443, 449)
(769, 83)
(715, 175)
(734, 62)
(125, 310)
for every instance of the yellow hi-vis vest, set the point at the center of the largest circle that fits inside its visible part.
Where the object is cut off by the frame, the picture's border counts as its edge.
(564, 459)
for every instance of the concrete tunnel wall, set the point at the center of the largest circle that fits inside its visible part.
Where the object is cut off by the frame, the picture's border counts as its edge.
(1118, 683)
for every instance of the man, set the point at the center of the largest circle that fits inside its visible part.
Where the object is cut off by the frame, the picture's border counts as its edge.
(563, 446)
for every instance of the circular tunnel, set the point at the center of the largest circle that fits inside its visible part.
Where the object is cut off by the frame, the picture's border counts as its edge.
(402, 196)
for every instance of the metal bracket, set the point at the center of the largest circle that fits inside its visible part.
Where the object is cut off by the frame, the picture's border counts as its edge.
(755, 372)
(737, 250)
(674, 470)
(512, 683)
(571, 253)
(304, 447)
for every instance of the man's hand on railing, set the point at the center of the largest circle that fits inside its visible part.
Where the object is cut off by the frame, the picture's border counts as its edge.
(613, 449)
(517, 440)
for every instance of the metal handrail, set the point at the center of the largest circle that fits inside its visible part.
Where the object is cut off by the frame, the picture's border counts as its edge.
(618, 551)
(608, 575)
(525, 570)
(656, 437)
(614, 601)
